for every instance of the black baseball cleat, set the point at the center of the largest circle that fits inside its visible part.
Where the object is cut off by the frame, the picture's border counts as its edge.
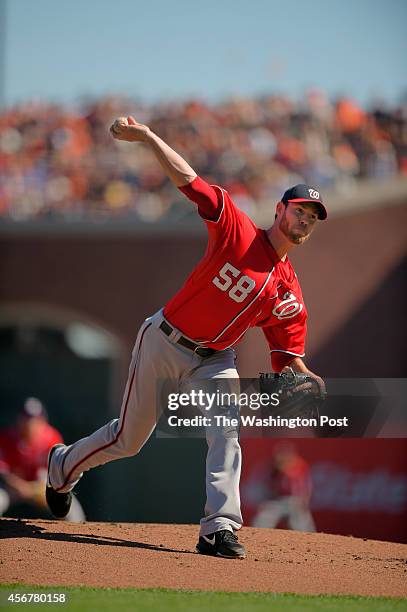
(222, 543)
(58, 503)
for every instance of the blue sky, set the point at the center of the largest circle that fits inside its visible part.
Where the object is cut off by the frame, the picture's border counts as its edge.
(154, 49)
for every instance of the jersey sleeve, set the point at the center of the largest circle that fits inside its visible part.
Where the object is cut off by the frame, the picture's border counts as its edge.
(225, 222)
(206, 197)
(286, 341)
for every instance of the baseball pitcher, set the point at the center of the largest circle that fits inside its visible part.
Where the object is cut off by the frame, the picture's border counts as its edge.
(244, 279)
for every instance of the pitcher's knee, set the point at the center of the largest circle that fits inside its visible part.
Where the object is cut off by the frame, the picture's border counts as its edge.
(129, 447)
(230, 440)
(131, 451)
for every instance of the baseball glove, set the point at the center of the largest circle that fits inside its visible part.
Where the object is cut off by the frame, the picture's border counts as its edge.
(299, 394)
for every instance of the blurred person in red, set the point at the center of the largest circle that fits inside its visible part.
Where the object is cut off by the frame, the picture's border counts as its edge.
(290, 492)
(24, 449)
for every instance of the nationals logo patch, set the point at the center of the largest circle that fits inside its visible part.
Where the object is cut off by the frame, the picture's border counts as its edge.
(288, 307)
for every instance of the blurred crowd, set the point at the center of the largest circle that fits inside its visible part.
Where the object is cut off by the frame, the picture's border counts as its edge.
(61, 162)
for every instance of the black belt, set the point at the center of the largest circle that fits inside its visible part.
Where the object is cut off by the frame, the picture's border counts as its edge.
(202, 351)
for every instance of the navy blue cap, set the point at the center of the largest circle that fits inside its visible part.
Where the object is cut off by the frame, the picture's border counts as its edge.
(305, 193)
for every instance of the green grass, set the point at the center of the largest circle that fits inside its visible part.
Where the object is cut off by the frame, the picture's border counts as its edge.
(85, 599)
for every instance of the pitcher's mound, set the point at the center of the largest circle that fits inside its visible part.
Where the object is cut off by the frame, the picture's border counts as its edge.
(149, 555)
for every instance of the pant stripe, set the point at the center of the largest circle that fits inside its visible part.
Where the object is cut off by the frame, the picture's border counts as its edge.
(97, 450)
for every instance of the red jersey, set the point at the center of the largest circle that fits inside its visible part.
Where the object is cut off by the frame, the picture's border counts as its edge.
(292, 479)
(26, 459)
(239, 283)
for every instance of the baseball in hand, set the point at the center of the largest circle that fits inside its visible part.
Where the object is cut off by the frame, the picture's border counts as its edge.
(126, 128)
(121, 122)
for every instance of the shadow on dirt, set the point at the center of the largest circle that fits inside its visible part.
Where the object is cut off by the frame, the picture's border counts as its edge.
(22, 528)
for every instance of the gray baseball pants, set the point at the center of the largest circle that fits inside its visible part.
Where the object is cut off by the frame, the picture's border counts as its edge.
(158, 357)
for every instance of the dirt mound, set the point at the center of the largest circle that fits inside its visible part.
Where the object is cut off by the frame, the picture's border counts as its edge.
(149, 555)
